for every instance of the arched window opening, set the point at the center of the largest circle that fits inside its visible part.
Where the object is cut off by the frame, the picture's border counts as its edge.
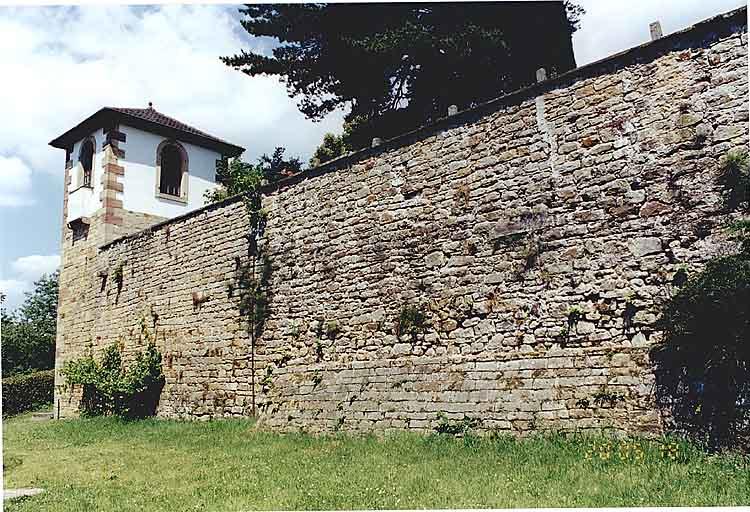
(87, 161)
(171, 170)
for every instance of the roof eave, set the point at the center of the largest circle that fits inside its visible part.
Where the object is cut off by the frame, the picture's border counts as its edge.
(223, 147)
(64, 140)
(93, 122)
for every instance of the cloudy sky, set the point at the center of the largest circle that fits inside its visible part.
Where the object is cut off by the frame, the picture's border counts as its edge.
(61, 64)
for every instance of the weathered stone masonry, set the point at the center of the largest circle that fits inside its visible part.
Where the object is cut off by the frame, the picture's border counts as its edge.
(587, 191)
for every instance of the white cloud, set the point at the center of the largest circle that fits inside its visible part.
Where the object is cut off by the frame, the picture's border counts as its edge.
(26, 270)
(68, 62)
(64, 63)
(14, 292)
(31, 268)
(15, 182)
(609, 27)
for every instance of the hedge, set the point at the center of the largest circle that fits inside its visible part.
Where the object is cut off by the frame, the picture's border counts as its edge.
(28, 391)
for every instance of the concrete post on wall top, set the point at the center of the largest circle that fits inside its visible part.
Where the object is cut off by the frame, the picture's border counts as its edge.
(655, 29)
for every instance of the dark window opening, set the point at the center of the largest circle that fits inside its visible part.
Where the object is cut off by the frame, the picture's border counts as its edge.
(80, 232)
(87, 161)
(171, 171)
(80, 229)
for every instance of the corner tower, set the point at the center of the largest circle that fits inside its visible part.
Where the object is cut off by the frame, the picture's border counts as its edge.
(125, 170)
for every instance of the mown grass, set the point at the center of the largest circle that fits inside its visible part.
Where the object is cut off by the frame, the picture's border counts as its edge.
(107, 464)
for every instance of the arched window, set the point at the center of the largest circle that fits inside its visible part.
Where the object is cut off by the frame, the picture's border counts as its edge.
(86, 157)
(171, 161)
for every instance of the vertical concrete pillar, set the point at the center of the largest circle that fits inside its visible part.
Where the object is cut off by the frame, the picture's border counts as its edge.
(655, 29)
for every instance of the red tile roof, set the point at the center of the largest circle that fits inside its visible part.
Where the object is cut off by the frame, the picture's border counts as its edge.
(149, 119)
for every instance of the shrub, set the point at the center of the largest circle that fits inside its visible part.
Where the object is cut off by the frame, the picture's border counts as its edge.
(111, 389)
(703, 364)
(734, 178)
(740, 231)
(27, 392)
(26, 347)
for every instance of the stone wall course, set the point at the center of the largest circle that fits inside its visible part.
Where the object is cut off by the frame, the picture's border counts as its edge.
(589, 191)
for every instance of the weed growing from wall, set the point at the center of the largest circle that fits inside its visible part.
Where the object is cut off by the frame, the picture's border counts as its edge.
(267, 381)
(411, 320)
(739, 230)
(318, 351)
(332, 329)
(531, 252)
(574, 316)
(317, 378)
(462, 427)
(628, 315)
(295, 331)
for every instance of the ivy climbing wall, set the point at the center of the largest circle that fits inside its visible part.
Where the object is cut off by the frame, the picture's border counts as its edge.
(504, 265)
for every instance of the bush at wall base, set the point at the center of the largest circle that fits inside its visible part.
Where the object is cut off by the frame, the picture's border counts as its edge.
(109, 388)
(28, 391)
(703, 367)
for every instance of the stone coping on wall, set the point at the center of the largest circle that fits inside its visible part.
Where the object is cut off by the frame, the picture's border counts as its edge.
(704, 31)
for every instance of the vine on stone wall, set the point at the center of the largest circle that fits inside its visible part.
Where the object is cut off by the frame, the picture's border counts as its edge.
(118, 276)
(253, 276)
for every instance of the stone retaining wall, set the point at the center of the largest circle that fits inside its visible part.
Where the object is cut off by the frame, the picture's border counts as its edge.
(581, 195)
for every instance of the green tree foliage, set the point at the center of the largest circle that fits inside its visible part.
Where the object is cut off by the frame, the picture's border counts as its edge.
(238, 177)
(740, 231)
(734, 178)
(703, 365)
(28, 335)
(333, 146)
(398, 65)
(109, 388)
(276, 167)
(27, 391)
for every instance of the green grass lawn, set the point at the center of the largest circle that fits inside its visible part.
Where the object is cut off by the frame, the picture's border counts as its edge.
(106, 464)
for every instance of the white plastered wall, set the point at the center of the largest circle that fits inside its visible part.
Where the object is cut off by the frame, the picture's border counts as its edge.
(85, 201)
(139, 181)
